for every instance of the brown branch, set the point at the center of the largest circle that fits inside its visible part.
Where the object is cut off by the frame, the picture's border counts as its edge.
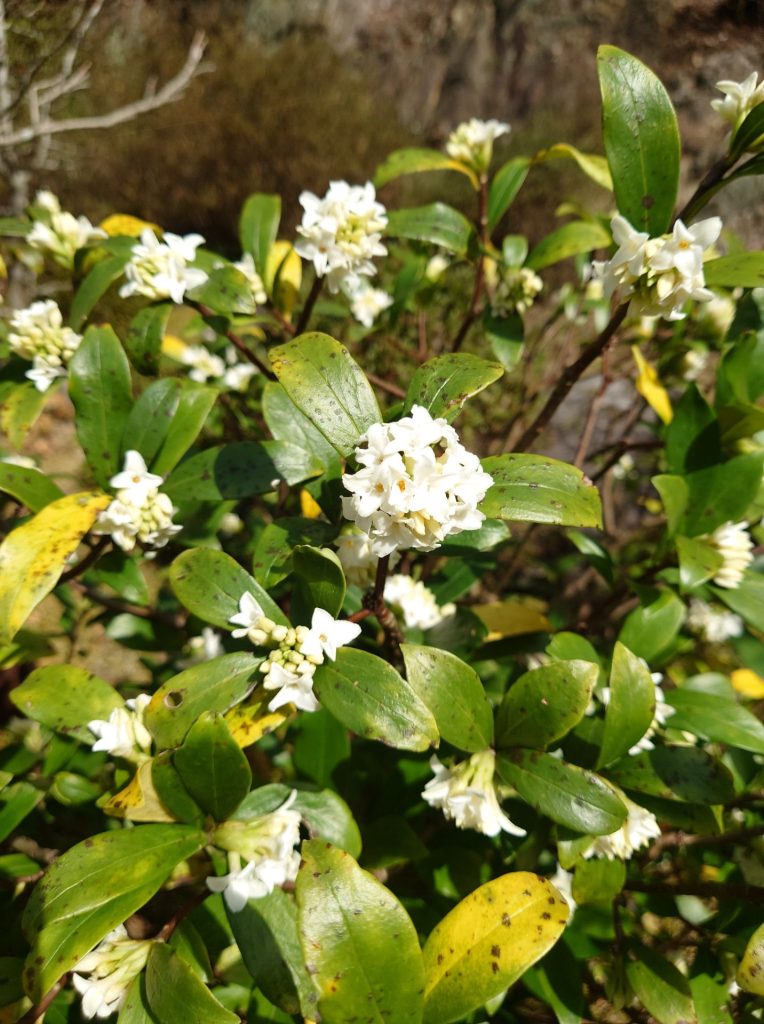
(307, 309)
(37, 1011)
(85, 563)
(477, 291)
(188, 908)
(116, 604)
(679, 838)
(386, 385)
(705, 890)
(238, 343)
(374, 604)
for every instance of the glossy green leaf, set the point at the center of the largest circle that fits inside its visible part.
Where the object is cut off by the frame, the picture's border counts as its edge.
(681, 773)
(569, 240)
(716, 718)
(195, 403)
(135, 1008)
(213, 767)
(674, 495)
(487, 942)
(593, 165)
(210, 583)
(641, 139)
(506, 336)
(598, 880)
(92, 888)
(721, 494)
(66, 698)
(29, 487)
(692, 436)
(452, 691)
(321, 744)
(442, 385)
(650, 629)
(505, 185)
(171, 792)
(661, 988)
(750, 131)
(567, 794)
(272, 560)
(740, 270)
(96, 283)
(259, 226)
(174, 994)
(360, 947)
(536, 489)
(324, 813)
(747, 599)
(631, 707)
(416, 161)
(240, 470)
(699, 561)
(214, 685)
(226, 291)
(17, 801)
(143, 341)
(544, 704)
(327, 385)
(319, 583)
(287, 423)
(150, 417)
(367, 695)
(436, 223)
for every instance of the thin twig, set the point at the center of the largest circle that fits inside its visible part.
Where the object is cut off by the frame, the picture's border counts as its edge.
(477, 291)
(705, 890)
(307, 309)
(116, 604)
(37, 1011)
(679, 838)
(188, 908)
(238, 343)
(85, 563)
(386, 385)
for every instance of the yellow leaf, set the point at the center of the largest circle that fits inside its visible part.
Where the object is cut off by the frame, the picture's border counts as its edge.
(3, 268)
(748, 683)
(283, 276)
(33, 556)
(138, 801)
(487, 941)
(309, 507)
(173, 346)
(513, 617)
(125, 224)
(252, 720)
(650, 388)
(750, 973)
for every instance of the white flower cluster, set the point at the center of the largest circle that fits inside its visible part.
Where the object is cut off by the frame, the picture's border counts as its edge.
(660, 274)
(663, 712)
(140, 511)
(417, 484)
(123, 733)
(104, 975)
(415, 602)
(739, 99)
(60, 233)
(38, 334)
(290, 666)
(366, 303)
(639, 828)
(713, 623)
(341, 233)
(247, 266)
(226, 372)
(516, 291)
(359, 563)
(466, 793)
(160, 270)
(734, 544)
(267, 844)
(472, 142)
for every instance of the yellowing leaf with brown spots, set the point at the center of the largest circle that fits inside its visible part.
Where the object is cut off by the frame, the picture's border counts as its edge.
(250, 721)
(126, 224)
(138, 801)
(283, 276)
(514, 617)
(487, 942)
(33, 556)
(650, 387)
(748, 683)
(750, 973)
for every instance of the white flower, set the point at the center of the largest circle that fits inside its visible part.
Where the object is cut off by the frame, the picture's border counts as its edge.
(359, 563)
(110, 968)
(237, 375)
(437, 265)
(205, 647)
(739, 99)
(734, 544)
(47, 200)
(713, 623)
(693, 363)
(61, 234)
(472, 142)
(719, 313)
(466, 793)
(247, 618)
(293, 688)
(327, 634)
(159, 270)
(123, 733)
(639, 828)
(562, 880)
(516, 291)
(231, 524)
(417, 484)
(205, 365)
(416, 602)
(268, 845)
(38, 334)
(661, 714)
(247, 266)
(139, 512)
(135, 477)
(342, 232)
(366, 303)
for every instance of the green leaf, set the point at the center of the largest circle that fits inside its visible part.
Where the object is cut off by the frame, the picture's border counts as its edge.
(641, 139)
(506, 337)
(101, 392)
(29, 487)
(175, 994)
(327, 385)
(544, 704)
(320, 745)
(92, 888)
(749, 132)
(415, 161)
(598, 880)
(33, 556)
(287, 423)
(320, 583)
(558, 981)
(674, 495)
(593, 165)
(214, 685)
(437, 223)
(452, 691)
(195, 403)
(14, 227)
(226, 291)
(506, 183)
(150, 418)
(19, 409)
(747, 599)
(675, 773)
(213, 767)
(651, 629)
(240, 470)
(135, 1009)
(487, 942)
(325, 814)
(16, 803)
(259, 226)
(741, 270)
(569, 795)
(692, 436)
(721, 494)
(210, 583)
(171, 792)
(11, 987)
(372, 699)
(442, 385)
(535, 489)
(631, 708)
(699, 561)
(661, 988)
(143, 341)
(360, 947)
(716, 718)
(272, 560)
(569, 240)
(66, 698)
(95, 285)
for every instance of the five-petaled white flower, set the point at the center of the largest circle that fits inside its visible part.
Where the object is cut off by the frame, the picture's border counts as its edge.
(327, 634)
(466, 793)
(38, 334)
(103, 976)
(140, 511)
(160, 270)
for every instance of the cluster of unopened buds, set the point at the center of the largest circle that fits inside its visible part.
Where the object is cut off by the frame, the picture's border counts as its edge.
(472, 142)
(515, 291)
(296, 650)
(58, 232)
(39, 335)
(140, 511)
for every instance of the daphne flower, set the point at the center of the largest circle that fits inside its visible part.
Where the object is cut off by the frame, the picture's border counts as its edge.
(327, 634)
(247, 267)
(516, 291)
(637, 831)
(104, 975)
(359, 563)
(205, 365)
(61, 234)
(236, 375)
(416, 602)
(342, 232)
(47, 200)
(472, 142)
(713, 623)
(160, 270)
(739, 99)
(135, 477)
(139, 512)
(123, 733)
(734, 544)
(38, 334)
(247, 619)
(466, 793)
(366, 303)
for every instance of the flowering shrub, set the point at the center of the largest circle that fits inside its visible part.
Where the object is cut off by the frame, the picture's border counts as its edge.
(309, 592)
